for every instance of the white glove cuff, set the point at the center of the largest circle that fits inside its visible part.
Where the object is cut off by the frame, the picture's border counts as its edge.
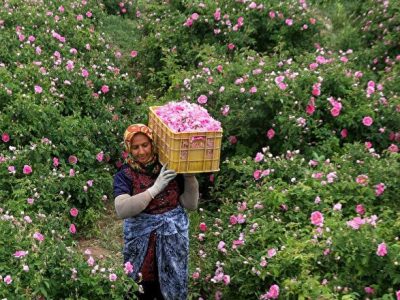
(153, 191)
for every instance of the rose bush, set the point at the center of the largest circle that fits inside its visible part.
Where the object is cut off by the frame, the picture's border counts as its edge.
(174, 36)
(39, 261)
(65, 99)
(312, 227)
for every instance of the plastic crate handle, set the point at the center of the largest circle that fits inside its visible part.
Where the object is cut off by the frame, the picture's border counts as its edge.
(198, 138)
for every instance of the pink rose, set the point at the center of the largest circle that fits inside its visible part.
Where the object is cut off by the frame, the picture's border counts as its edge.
(91, 261)
(221, 246)
(317, 218)
(105, 89)
(72, 228)
(20, 253)
(225, 110)
(72, 159)
(189, 22)
(289, 22)
(85, 73)
(259, 157)
(233, 220)
(270, 133)
(362, 180)
(355, 223)
(282, 86)
(271, 252)
(5, 137)
(360, 209)
(7, 279)
(74, 212)
(316, 92)
(100, 156)
(367, 121)
(217, 14)
(231, 46)
(271, 14)
(335, 111)
(113, 277)
(313, 66)
(310, 109)
(379, 189)
(337, 207)
(27, 169)
(381, 250)
(38, 236)
(358, 74)
(257, 174)
(232, 139)
(241, 218)
(202, 99)
(273, 292)
(195, 16)
(265, 172)
(344, 133)
(279, 79)
(369, 290)
(134, 53)
(393, 148)
(128, 267)
(38, 89)
(211, 178)
(203, 226)
(226, 279)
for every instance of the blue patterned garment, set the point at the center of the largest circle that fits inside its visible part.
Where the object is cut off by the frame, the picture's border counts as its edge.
(172, 248)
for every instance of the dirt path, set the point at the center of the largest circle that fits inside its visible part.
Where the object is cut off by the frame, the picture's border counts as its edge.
(106, 240)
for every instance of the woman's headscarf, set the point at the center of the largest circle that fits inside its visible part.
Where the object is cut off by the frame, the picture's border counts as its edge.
(152, 166)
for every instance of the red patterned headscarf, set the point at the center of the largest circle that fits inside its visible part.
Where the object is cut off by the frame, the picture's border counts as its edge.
(152, 165)
(134, 129)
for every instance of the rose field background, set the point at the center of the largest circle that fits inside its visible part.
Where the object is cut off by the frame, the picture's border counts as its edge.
(305, 205)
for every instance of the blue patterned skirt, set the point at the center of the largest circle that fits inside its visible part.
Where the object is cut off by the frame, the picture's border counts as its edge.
(172, 248)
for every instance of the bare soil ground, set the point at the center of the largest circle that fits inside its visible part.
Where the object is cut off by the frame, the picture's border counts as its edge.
(106, 237)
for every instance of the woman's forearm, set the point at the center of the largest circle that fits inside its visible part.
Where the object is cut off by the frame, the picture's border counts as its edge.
(190, 197)
(127, 206)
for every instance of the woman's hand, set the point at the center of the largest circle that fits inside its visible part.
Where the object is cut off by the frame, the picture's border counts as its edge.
(162, 181)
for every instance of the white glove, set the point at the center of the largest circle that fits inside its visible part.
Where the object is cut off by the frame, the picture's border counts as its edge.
(162, 181)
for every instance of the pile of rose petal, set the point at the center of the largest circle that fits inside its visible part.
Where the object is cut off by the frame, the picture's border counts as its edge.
(184, 117)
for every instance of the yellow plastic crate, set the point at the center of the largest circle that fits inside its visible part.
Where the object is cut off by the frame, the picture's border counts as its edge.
(186, 152)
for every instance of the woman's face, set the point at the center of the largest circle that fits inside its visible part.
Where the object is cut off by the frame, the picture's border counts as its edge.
(141, 148)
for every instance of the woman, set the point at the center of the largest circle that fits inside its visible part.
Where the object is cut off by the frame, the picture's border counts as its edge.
(151, 200)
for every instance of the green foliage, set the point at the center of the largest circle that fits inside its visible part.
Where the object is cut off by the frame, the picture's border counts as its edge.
(49, 262)
(331, 261)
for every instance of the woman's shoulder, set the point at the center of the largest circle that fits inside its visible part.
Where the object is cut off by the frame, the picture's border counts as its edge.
(125, 171)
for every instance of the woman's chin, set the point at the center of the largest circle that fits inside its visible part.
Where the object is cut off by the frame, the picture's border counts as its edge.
(143, 160)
